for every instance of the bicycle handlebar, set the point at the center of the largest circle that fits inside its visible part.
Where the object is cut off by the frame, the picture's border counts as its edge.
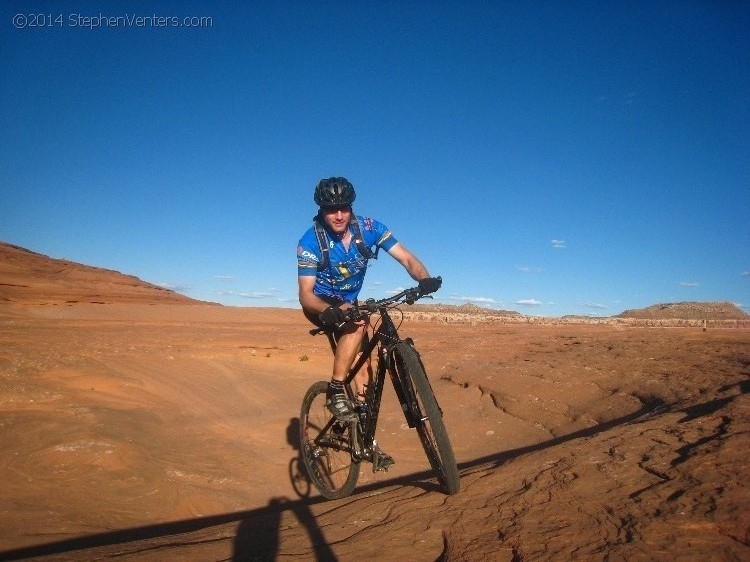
(370, 306)
(361, 310)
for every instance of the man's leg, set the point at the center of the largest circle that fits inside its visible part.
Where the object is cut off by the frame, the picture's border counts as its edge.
(347, 347)
(364, 376)
(362, 379)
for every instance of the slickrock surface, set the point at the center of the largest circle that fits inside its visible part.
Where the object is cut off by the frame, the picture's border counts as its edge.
(146, 429)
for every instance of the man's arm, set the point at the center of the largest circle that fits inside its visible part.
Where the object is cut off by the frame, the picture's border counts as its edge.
(411, 263)
(309, 300)
(312, 304)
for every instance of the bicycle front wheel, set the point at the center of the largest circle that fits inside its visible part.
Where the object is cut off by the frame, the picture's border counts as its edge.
(427, 417)
(326, 446)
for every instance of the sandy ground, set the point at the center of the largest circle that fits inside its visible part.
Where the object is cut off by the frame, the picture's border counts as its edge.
(166, 432)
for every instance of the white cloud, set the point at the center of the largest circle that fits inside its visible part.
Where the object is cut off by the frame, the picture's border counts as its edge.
(689, 284)
(528, 269)
(487, 300)
(745, 274)
(594, 305)
(529, 302)
(224, 277)
(395, 291)
(558, 244)
(251, 295)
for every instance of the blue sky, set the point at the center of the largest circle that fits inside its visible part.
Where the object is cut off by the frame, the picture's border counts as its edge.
(547, 157)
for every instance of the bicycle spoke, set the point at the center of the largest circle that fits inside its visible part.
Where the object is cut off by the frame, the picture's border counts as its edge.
(326, 447)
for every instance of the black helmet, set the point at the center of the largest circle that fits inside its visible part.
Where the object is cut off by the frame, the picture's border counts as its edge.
(334, 192)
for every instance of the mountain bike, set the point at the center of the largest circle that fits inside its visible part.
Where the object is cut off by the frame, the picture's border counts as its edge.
(332, 450)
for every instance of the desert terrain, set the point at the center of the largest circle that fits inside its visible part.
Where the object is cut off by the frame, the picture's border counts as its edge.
(136, 423)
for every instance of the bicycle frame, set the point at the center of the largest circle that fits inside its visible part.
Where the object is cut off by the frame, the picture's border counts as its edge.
(326, 451)
(383, 339)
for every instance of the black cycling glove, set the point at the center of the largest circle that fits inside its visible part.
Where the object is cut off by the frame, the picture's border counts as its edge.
(430, 284)
(332, 316)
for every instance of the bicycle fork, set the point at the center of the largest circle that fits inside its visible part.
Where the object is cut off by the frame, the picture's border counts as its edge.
(402, 386)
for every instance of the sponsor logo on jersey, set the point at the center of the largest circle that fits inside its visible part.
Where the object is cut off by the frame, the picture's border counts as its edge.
(301, 253)
(385, 237)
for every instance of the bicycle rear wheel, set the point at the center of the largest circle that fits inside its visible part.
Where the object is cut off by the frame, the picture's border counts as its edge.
(428, 417)
(326, 446)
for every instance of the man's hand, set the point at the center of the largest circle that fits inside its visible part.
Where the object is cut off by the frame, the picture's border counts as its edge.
(430, 284)
(332, 316)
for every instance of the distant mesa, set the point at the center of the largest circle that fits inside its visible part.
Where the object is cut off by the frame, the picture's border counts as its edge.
(466, 308)
(687, 311)
(27, 277)
(684, 314)
(666, 311)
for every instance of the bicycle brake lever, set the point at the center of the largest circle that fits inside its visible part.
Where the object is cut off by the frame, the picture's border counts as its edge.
(413, 296)
(352, 315)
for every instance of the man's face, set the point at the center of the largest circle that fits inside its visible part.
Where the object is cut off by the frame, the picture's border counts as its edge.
(337, 218)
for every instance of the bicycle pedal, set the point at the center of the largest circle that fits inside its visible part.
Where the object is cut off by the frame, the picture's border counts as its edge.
(381, 461)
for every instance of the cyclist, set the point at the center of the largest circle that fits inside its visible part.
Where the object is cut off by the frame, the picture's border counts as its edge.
(332, 260)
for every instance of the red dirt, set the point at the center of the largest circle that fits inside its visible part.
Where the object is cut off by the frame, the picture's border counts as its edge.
(158, 431)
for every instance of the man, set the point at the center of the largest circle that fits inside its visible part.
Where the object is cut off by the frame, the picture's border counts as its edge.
(331, 265)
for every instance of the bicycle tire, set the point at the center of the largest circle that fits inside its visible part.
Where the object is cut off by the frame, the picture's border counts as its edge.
(430, 427)
(327, 455)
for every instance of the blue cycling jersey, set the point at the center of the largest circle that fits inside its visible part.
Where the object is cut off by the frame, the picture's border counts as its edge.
(342, 279)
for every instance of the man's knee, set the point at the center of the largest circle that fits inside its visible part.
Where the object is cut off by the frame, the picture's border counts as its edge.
(353, 330)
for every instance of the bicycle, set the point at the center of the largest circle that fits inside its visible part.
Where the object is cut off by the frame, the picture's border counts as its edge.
(332, 450)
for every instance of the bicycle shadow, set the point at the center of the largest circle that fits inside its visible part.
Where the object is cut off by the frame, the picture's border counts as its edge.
(257, 535)
(297, 474)
(255, 542)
